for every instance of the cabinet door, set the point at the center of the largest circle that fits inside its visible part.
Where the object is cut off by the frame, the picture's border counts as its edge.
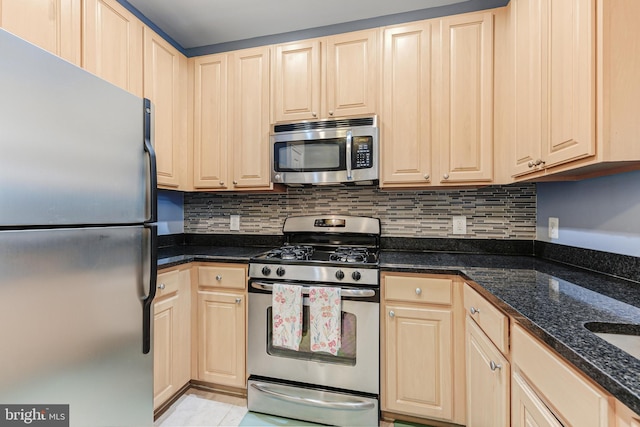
(465, 99)
(249, 109)
(568, 45)
(221, 338)
(418, 371)
(352, 70)
(211, 160)
(527, 88)
(53, 25)
(112, 40)
(165, 81)
(297, 77)
(406, 106)
(487, 381)
(527, 410)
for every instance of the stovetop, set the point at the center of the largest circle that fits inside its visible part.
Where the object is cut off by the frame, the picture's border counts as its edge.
(340, 254)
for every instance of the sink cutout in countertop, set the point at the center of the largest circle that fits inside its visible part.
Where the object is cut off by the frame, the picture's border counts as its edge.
(624, 336)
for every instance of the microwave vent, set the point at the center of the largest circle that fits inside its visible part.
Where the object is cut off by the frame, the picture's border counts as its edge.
(325, 124)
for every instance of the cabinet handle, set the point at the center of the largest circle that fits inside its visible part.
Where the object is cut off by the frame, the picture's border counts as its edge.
(331, 113)
(392, 314)
(418, 291)
(161, 286)
(235, 182)
(219, 277)
(474, 310)
(426, 176)
(238, 300)
(313, 113)
(221, 183)
(445, 176)
(493, 365)
(531, 164)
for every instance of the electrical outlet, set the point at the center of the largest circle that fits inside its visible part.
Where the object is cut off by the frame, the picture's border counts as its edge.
(459, 225)
(554, 227)
(234, 222)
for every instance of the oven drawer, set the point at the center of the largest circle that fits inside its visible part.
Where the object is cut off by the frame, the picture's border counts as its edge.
(420, 289)
(222, 276)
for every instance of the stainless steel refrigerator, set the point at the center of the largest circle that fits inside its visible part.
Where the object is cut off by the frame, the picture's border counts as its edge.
(77, 241)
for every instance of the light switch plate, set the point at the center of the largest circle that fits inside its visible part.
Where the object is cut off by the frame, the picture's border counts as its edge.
(234, 222)
(554, 226)
(459, 225)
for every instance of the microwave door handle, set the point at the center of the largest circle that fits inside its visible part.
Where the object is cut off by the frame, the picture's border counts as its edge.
(349, 147)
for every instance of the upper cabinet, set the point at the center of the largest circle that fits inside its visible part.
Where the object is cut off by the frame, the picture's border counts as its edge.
(165, 84)
(437, 102)
(322, 78)
(113, 44)
(53, 25)
(231, 121)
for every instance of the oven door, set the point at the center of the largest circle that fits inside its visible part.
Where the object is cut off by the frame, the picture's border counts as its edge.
(355, 367)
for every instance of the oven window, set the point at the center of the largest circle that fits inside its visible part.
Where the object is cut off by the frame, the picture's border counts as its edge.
(346, 355)
(310, 156)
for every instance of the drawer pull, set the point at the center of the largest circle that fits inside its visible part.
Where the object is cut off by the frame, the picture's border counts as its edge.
(493, 365)
(161, 286)
(418, 291)
(474, 310)
(238, 300)
(219, 277)
(392, 314)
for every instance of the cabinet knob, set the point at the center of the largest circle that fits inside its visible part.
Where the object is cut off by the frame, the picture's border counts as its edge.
(161, 286)
(418, 291)
(493, 365)
(219, 277)
(474, 310)
(531, 164)
(392, 314)
(426, 176)
(445, 176)
(238, 300)
(235, 182)
(313, 113)
(331, 113)
(222, 183)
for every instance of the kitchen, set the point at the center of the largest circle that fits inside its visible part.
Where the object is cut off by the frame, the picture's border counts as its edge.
(500, 217)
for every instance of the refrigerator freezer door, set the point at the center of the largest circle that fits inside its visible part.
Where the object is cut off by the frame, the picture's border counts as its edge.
(71, 144)
(71, 310)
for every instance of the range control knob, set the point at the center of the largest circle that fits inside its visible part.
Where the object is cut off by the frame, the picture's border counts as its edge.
(339, 275)
(266, 271)
(280, 271)
(356, 275)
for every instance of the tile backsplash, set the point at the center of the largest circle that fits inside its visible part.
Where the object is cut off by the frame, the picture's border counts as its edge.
(494, 212)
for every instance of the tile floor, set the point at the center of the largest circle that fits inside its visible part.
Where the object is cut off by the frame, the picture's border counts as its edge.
(199, 408)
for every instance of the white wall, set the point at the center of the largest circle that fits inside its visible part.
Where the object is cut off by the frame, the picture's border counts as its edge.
(170, 212)
(599, 213)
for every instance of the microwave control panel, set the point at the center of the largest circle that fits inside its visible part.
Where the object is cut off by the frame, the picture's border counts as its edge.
(362, 152)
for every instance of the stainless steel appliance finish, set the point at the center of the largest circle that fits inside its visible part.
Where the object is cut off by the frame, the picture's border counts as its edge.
(319, 387)
(77, 240)
(326, 152)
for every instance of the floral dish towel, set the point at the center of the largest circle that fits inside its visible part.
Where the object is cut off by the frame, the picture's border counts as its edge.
(286, 306)
(325, 319)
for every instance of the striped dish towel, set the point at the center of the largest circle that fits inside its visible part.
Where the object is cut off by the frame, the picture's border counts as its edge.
(325, 319)
(286, 306)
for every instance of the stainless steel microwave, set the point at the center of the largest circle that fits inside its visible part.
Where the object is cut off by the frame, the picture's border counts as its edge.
(325, 152)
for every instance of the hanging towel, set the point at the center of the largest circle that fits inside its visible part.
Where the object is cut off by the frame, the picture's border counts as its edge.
(286, 306)
(325, 319)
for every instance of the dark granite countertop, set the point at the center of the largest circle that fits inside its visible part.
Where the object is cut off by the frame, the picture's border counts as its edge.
(552, 301)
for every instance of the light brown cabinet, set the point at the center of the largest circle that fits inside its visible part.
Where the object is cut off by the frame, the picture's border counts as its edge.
(221, 324)
(329, 77)
(527, 408)
(53, 25)
(422, 369)
(437, 102)
(231, 121)
(625, 417)
(112, 44)
(165, 83)
(171, 334)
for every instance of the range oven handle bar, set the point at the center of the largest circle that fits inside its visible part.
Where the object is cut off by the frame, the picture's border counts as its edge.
(354, 293)
(356, 405)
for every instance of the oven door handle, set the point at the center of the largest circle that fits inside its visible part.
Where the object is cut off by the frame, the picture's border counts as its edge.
(355, 405)
(353, 293)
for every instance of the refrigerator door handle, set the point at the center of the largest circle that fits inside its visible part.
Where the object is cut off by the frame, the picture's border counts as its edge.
(147, 302)
(153, 176)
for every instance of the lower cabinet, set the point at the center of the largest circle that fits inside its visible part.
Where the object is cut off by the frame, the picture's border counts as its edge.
(171, 334)
(527, 408)
(422, 347)
(221, 324)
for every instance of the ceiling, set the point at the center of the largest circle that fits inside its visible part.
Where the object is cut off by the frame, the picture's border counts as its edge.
(197, 23)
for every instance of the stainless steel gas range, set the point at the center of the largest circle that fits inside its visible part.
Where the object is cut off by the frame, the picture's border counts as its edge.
(320, 252)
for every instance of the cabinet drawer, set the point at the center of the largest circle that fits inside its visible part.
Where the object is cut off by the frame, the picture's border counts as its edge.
(430, 290)
(168, 283)
(220, 276)
(569, 395)
(491, 320)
